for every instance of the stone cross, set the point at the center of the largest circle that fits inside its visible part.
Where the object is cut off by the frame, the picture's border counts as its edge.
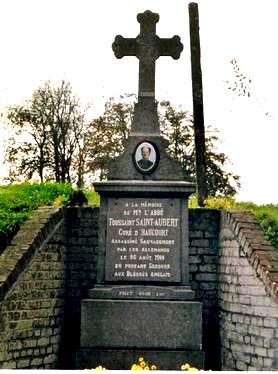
(147, 47)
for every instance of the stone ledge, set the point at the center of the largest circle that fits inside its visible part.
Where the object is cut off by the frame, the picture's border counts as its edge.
(160, 188)
(33, 234)
(261, 255)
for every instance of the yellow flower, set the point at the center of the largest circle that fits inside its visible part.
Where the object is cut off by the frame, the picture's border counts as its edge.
(142, 364)
(140, 359)
(100, 368)
(146, 367)
(153, 367)
(136, 367)
(185, 367)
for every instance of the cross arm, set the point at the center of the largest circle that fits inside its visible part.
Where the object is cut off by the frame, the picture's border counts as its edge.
(124, 46)
(170, 47)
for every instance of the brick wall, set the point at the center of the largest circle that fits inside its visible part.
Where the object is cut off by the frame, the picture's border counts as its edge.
(203, 259)
(33, 293)
(51, 263)
(248, 269)
(82, 239)
(43, 275)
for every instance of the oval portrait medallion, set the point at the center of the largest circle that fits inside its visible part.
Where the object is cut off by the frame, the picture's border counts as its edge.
(146, 157)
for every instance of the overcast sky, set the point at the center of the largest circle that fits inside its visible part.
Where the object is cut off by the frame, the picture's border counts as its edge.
(71, 39)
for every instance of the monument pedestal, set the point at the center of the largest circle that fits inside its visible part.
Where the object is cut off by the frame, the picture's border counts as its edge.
(141, 324)
(115, 333)
(142, 304)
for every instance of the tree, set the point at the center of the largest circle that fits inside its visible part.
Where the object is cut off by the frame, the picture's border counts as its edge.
(26, 156)
(177, 127)
(51, 124)
(51, 138)
(108, 132)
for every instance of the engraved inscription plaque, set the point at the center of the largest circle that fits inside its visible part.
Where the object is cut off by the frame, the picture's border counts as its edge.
(143, 240)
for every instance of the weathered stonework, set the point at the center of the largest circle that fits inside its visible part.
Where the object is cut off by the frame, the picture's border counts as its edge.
(33, 293)
(44, 273)
(247, 295)
(82, 239)
(51, 264)
(203, 262)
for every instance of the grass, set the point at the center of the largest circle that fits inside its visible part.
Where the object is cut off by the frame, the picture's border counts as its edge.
(18, 201)
(267, 214)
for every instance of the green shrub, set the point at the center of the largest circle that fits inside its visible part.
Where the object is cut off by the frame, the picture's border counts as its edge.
(93, 197)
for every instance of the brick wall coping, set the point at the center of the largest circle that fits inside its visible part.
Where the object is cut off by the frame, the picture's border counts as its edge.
(33, 234)
(261, 255)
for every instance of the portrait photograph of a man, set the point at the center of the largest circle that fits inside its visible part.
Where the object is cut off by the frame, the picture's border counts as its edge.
(145, 156)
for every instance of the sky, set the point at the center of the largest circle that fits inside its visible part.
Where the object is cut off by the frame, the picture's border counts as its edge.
(71, 39)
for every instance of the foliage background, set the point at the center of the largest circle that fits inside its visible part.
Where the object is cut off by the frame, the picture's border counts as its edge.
(52, 140)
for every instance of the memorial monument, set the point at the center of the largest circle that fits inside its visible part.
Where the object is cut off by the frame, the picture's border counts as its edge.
(142, 303)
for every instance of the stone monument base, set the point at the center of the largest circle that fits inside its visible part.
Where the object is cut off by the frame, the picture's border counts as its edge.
(141, 324)
(166, 332)
(116, 359)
